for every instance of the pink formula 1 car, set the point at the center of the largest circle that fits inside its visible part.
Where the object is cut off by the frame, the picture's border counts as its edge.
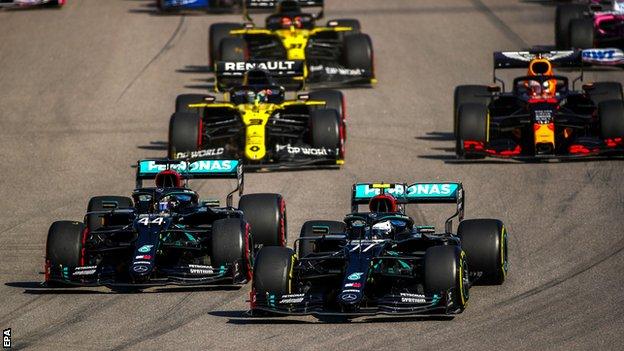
(30, 3)
(590, 24)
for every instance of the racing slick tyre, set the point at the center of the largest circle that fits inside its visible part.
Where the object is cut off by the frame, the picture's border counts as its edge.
(346, 22)
(231, 243)
(446, 270)
(468, 94)
(315, 229)
(185, 133)
(233, 49)
(611, 116)
(485, 244)
(182, 102)
(216, 33)
(325, 130)
(358, 52)
(582, 34)
(105, 203)
(563, 18)
(472, 126)
(273, 271)
(64, 244)
(334, 99)
(605, 91)
(266, 214)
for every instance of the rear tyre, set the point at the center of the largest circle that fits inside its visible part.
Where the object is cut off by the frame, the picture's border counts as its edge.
(472, 125)
(358, 52)
(346, 22)
(582, 33)
(611, 116)
(185, 133)
(446, 270)
(325, 130)
(105, 203)
(64, 243)
(273, 271)
(183, 101)
(216, 33)
(233, 49)
(605, 91)
(266, 214)
(468, 94)
(312, 229)
(231, 244)
(563, 17)
(485, 244)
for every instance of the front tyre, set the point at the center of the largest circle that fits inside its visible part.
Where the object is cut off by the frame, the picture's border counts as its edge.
(472, 126)
(273, 273)
(64, 244)
(358, 52)
(185, 133)
(485, 244)
(446, 271)
(326, 132)
(611, 116)
(266, 214)
(232, 244)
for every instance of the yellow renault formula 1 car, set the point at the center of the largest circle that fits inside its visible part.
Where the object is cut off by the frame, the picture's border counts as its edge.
(256, 123)
(335, 54)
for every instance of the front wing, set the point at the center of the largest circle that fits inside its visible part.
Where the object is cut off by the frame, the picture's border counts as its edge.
(187, 275)
(313, 304)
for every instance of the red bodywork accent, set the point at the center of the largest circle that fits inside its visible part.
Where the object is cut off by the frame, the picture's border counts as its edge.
(388, 201)
(83, 251)
(612, 143)
(581, 149)
(200, 133)
(168, 174)
(542, 100)
(248, 253)
(479, 146)
(46, 270)
(474, 145)
(252, 298)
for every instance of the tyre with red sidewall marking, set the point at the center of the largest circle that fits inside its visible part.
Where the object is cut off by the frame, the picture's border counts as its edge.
(266, 215)
(231, 243)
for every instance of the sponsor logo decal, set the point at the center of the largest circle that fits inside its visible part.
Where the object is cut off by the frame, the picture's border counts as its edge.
(353, 285)
(308, 151)
(201, 153)
(292, 298)
(200, 269)
(143, 257)
(140, 269)
(6, 338)
(348, 297)
(355, 276)
(603, 56)
(198, 167)
(412, 298)
(145, 248)
(269, 66)
(85, 270)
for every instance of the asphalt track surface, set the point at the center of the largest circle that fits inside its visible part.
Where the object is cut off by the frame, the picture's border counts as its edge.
(87, 90)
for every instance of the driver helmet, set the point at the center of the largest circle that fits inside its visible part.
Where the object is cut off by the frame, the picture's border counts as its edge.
(381, 230)
(168, 179)
(541, 67)
(383, 203)
(168, 204)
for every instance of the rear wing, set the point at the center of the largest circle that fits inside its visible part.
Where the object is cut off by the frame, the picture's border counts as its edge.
(603, 57)
(194, 169)
(416, 193)
(230, 74)
(272, 4)
(522, 59)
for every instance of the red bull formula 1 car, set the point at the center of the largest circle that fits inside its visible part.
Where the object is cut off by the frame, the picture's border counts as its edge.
(543, 116)
(378, 261)
(165, 235)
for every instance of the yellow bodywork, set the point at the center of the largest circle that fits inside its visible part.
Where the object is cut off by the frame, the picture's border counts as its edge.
(294, 40)
(544, 135)
(255, 117)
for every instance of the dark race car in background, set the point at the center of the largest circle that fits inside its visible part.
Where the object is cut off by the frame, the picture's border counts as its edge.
(166, 235)
(590, 24)
(30, 3)
(543, 116)
(255, 121)
(381, 262)
(337, 54)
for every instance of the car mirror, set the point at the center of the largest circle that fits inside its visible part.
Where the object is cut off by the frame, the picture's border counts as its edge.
(494, 89)
(209, 98)
(588, 87)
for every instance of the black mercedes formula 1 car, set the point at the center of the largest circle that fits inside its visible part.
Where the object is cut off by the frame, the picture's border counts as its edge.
(380, 261)
(164, 235)
(543, 116)
(337, 54)
(255, 122)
